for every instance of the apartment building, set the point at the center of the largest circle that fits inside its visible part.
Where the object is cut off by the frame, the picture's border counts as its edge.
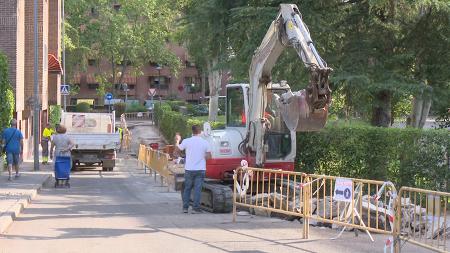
(17, 42)
(188, 85)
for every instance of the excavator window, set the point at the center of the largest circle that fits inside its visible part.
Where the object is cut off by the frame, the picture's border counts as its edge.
(278, 137)
(236, 116)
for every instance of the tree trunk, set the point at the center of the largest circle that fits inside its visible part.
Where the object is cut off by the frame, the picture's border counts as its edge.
(420, 111)
(382, 110)
(215, 82)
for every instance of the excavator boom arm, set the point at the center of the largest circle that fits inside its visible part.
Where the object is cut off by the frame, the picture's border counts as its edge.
(305, 110)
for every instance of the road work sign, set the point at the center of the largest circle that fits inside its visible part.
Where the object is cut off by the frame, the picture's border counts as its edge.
(343, 190)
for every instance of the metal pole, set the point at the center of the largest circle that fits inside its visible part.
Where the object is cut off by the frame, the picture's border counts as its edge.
(36, 91)
(63, 30)
(159, 84)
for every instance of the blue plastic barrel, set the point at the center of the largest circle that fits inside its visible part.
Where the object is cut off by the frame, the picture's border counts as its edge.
(63, 165)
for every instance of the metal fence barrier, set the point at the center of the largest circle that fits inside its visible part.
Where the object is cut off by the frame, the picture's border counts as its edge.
(138, 116)
(157, 162)
(422, 219)
(367, 205)
(269, 190)
(414, 215)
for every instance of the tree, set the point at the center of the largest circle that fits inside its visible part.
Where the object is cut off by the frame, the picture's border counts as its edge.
(120, 37)
(7, 98)
(204, 30)
(427, 40)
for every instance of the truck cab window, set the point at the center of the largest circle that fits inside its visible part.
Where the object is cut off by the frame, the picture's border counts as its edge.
(236, 116)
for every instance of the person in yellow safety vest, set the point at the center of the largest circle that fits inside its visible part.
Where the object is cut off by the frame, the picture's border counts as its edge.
(120, 131)
(46, 138)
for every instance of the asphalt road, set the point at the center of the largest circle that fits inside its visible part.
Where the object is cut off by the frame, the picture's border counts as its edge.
(127, 211)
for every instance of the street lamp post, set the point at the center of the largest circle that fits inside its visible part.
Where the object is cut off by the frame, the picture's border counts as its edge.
(125, 88)
(36, 100)
(159, 82)
(192, 91)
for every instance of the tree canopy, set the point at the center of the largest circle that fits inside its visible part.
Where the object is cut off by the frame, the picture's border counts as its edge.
(121, 36)
(384, 53)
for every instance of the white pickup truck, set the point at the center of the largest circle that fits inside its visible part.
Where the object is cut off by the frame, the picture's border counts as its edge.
(95, 139)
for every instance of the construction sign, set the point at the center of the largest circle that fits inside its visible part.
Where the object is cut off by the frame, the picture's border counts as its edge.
(343, 190)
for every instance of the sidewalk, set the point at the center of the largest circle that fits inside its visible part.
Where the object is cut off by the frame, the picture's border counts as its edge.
(16, 195)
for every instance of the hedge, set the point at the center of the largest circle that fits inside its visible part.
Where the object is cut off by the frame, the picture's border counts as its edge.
(83, 107)
(407, 157)
(7, 98)
(172, 122)
(54, 116)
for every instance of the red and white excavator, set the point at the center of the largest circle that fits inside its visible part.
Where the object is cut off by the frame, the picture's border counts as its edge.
(262, 117)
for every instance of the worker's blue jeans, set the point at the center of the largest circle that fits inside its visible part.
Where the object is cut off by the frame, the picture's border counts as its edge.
(193, 179)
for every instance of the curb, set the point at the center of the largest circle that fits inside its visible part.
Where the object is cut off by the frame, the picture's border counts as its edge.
(7, 218)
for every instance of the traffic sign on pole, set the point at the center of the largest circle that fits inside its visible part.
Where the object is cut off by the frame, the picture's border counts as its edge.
(109, 96)
(65, 89)
(151, 92)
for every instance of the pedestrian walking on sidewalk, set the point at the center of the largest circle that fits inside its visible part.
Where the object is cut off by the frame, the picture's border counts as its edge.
(198, 151)
(46, 139)
(12, 139)
(62, 143)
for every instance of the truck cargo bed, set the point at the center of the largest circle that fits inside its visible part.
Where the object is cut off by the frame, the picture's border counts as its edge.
(95, 141)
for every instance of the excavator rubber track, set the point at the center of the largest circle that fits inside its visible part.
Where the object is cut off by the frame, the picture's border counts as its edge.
(216, 197)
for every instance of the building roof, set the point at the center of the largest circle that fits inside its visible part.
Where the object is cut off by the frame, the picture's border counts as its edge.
(54, 65)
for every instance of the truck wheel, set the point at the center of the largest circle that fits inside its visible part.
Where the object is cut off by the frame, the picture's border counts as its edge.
(107, 168)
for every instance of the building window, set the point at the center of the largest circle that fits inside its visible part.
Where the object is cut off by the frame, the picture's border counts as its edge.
(122, 63)
(94, 12)
(161, 82)
(93, 86)
(27, 133)
(92, 62)
(188, 87)
(120, 87)
(189, 64)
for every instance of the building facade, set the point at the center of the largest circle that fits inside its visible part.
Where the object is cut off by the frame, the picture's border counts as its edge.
(17, 42)
(187, 85)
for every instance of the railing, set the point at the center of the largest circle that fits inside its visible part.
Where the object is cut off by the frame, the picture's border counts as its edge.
(362, 204)
(422, 218)
(414, 215)
(138, 116)
(157, 162)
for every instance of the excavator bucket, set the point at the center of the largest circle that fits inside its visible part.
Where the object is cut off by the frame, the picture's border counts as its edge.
(313, 122)
(298, 113)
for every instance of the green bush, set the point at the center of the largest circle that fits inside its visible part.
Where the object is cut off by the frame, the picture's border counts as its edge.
(83, 107)
(120, 108)
(407, 157)
(54, 116)
(135, 107)
(171, 122)
(7, 97)
(175, 105)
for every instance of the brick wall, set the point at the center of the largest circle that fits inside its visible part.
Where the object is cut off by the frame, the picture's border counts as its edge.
(42, 50)
(54, 47)
(8, 35)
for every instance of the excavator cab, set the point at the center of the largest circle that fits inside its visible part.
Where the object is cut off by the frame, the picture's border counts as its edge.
(236, 113)
(277, 136)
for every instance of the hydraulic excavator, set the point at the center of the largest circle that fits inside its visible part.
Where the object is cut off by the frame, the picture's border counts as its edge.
(262, 117)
